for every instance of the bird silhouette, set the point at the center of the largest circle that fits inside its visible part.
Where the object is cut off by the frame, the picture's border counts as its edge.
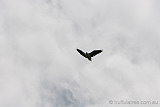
(89, 55)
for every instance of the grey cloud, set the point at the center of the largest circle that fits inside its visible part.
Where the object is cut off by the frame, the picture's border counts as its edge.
(39, 65)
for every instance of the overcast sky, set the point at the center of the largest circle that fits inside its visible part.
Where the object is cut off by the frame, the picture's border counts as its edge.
(40, 67)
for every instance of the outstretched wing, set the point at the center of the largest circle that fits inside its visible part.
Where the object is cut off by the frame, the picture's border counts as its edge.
(82, 53)
(95, 52)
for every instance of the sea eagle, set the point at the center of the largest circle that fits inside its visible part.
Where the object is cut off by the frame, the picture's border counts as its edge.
(89, 55)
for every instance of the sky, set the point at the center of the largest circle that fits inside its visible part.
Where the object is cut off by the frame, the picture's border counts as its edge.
(40, 67)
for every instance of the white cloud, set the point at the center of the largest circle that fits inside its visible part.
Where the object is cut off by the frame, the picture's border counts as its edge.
(39, 65)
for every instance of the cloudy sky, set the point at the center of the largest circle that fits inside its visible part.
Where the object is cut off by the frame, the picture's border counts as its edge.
(40, 67)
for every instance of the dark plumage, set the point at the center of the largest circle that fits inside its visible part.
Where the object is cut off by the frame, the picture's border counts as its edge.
(89, 55)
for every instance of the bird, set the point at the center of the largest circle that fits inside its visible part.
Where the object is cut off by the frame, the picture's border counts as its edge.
(89, 55)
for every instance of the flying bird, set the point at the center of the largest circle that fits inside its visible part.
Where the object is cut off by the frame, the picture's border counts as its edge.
(89, 55)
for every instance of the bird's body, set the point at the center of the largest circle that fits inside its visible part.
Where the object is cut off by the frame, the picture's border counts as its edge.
(89, 55)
